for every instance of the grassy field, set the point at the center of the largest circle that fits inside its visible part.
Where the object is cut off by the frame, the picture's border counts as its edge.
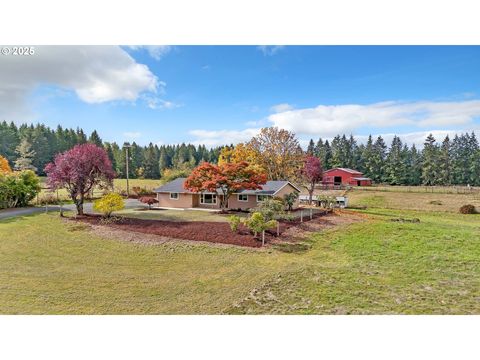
(173, 215)
(436, 202)
(371, 267)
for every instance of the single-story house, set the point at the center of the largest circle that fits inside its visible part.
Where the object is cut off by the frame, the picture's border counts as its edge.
(174, 195)
(344, 177)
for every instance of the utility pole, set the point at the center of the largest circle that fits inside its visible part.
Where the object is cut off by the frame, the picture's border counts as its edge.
(127, 146)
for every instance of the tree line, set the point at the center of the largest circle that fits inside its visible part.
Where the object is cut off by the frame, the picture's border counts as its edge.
(449, 162)
(446, 162)
(34, 146)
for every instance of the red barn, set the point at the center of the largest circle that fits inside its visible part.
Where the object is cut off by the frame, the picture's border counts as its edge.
(344, 177)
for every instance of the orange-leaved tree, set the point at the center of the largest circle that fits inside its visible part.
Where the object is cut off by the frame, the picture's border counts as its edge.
(4, 166)
(226, 178)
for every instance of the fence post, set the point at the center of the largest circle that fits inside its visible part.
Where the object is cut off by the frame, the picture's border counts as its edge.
(311, 214)
(301, 215)
(46, 208)
(278, 228)
(263, 237)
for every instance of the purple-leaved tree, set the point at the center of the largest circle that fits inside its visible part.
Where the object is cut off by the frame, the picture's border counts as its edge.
(79, 170)
(312, 174)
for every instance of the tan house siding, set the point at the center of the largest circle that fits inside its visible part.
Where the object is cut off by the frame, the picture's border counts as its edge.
(190, 200)
(184, 200)
(287, 189)
(234, 203)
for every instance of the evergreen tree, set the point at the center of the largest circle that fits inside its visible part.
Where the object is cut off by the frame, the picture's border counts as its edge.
(25, 156)
(9, 140)
(376, 164)
(430, 161)
(95, 139)
(311, 148)
(445, 175)
(150, 163)
(395, 167)
(414, 167)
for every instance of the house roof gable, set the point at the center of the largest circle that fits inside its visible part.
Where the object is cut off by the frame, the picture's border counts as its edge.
(270, 188)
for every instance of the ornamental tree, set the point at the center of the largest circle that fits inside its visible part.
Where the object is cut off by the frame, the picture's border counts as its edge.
(311, 174)
(149, 201)
(4, 166)
(226, 178)
(79, 170)
(109, 203)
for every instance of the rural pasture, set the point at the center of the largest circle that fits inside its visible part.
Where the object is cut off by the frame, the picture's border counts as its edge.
(372, 265)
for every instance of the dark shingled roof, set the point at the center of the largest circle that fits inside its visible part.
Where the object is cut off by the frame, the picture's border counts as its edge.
(270, 188)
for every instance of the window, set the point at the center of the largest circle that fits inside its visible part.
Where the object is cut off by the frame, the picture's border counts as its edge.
(262, 197)
(242, 197)
(174, 196)
(208, 198)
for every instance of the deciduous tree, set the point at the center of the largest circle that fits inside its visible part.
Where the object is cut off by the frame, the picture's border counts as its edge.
(4, 166)
(311, 174)
(226, 178)
(79, 170)
(278, 152)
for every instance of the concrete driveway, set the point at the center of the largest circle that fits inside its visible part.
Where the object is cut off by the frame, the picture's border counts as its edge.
(87, 207)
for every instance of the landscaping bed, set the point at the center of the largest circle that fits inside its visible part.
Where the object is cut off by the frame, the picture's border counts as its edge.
(215, 232)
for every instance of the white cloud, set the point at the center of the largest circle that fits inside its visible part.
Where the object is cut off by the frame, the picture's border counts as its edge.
(281, 108)
(329, 120)
(222, 137)
(269, 50)
(132, 134)
(158, 103)
(155, 51)
(96, 74)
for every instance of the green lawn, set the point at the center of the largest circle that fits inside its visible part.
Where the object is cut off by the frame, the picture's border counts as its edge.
(173, 215)
(372, 267)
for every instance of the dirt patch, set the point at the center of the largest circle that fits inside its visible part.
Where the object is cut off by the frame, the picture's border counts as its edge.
(215, 232)
(160, 231)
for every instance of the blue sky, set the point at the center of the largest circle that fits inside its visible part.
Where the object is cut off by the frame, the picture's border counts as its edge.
(223, 94)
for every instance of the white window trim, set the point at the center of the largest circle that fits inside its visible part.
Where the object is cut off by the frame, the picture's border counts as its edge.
(263, 195)
(214, 196)
(238, 197)
(173, 198)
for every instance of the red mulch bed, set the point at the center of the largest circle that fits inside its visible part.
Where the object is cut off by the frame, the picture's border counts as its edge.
(216, 232)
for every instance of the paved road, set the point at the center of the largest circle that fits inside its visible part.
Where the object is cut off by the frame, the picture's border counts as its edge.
(87, 207)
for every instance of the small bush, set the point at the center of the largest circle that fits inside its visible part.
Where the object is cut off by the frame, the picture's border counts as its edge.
(48, 199)
(109, 203)
(468, 209)
(148, 200)
(234, 222)
(17, 189)
(435, 202)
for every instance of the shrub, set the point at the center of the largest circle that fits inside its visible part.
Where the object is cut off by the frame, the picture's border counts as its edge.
(17, 189)
(234, 222)
(290, 199)
(270, 208)
(468, 209)
(109, 203)
(148, 200)
(48, 199)
(141, 191)
(258, 224)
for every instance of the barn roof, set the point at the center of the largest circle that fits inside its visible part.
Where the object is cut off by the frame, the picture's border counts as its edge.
(351, 171)
(270, 188)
